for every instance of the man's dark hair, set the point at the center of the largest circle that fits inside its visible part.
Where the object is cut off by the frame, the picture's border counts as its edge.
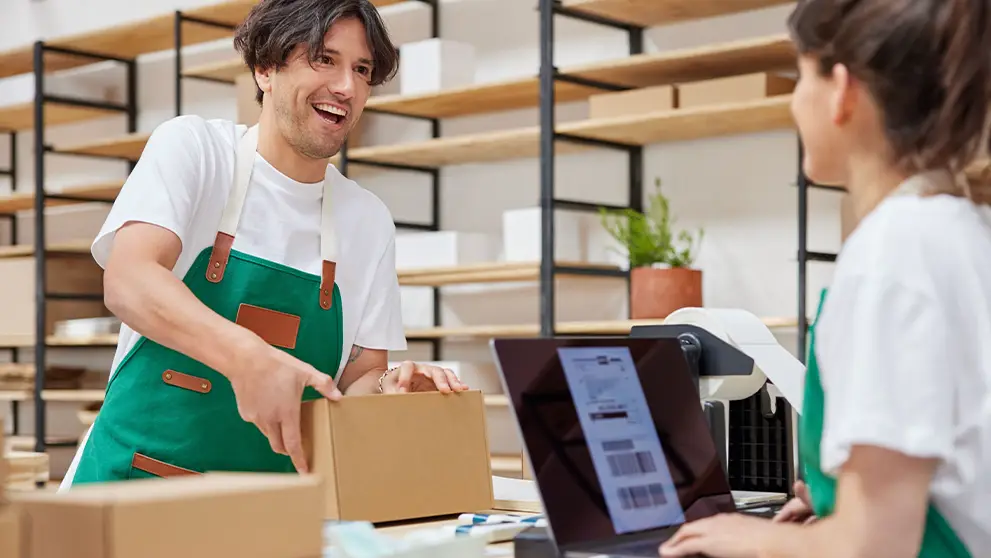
(274, 28)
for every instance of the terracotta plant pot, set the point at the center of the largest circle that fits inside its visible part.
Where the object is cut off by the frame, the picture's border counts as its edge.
(656, 292)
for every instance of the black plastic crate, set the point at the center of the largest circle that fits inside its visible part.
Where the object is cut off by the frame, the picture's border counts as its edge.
(760, 446)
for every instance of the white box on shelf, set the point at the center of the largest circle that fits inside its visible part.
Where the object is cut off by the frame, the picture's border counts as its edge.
(431, 65)
(522, 237)
(443, 249)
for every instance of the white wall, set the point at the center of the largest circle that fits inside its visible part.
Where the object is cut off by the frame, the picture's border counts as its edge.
(738, 188)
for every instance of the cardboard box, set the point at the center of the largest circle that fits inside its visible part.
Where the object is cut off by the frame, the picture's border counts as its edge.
(240, 515)
(400, 456)
(432, 65)
(633, 102)
(733, 89)
(10, 531)
(521, 233)
(66, 274)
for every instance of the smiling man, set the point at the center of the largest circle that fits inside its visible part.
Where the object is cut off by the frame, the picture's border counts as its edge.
(248, 272)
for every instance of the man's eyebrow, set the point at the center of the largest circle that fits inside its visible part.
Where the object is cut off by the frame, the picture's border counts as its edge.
(336, 52)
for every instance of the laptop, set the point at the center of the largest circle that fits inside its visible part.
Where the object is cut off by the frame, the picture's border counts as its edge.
(615, 435)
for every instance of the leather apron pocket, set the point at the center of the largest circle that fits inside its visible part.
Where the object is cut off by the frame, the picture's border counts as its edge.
(143, 466)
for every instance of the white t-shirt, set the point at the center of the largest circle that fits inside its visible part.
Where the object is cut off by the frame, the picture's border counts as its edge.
(181, 183)
(904, 349)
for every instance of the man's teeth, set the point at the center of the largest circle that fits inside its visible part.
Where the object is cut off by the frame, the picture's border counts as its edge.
(331, 109)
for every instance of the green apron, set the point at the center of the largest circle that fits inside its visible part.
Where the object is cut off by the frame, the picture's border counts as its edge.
(939, 540)
(166, 414)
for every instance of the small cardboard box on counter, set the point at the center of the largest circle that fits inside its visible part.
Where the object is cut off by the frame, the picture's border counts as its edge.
(10, 531)
(400, 456)
(735, 89)
(243, 515)
(634, 101)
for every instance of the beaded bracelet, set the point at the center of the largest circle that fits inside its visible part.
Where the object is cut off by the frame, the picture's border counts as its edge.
(382, 379)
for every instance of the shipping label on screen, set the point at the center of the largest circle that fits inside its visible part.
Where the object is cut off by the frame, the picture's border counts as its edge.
(621, 438)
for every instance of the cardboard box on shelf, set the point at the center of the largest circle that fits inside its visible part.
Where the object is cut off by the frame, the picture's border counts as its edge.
(205, 516)
(634, 101)
(400, 456)
(733, 89)
(433, 65)
(66, 274)
(10, 531)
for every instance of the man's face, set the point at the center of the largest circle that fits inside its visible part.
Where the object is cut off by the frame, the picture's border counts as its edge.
(316, 105)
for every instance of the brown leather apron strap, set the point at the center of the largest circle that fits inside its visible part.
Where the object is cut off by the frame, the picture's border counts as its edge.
(218, 257)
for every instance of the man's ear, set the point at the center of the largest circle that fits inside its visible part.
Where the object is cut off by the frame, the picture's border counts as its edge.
(263, 78)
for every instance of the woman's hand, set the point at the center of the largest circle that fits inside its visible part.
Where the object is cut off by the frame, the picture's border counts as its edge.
(722, 536)
(411, 376)
(799, 509)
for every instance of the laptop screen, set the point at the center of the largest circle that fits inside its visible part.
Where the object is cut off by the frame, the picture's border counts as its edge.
(615, 434)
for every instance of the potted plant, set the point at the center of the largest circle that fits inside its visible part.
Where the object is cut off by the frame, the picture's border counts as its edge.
(662, 278)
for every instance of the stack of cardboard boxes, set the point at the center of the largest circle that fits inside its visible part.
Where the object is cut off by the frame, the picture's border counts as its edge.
(373, 458)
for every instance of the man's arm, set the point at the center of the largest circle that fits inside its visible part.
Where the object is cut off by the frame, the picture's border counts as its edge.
(362, 372)
(141, 290)
(366, 367)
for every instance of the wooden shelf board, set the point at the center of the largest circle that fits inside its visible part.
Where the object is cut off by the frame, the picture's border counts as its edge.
(497, 400)
(511, 465)
(26, 443)
(765, 54)
(227, 70)
(129, 40)
(128, 146)
(646, 13)
(24, 201)
(639, 129)
(21, 116)
(617, 327)
(26, 250)
(59, 395)
(496, 272)
(28, 341)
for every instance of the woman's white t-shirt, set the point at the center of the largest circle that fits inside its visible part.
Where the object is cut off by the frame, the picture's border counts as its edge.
(181, 183)
(904, 349)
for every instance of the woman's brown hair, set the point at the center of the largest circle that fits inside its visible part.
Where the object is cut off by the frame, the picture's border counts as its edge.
(927, 63)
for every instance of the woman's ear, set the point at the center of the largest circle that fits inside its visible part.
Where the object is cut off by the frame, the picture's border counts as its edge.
(844, 95)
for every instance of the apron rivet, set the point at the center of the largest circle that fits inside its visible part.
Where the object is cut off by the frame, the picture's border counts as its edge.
(203, 386)
(326, 292)
(213, 276)
(168, 376)
(216, 264)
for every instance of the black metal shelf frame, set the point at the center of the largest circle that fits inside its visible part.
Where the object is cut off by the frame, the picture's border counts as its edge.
(11, 173)
(42, 295)
(178, 23)
(549, 75)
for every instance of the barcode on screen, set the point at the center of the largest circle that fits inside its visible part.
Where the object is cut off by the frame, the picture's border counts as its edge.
(617, 445)
(639, 497)
(627, 464)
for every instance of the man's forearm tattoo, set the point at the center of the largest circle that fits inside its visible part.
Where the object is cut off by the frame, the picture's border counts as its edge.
(355, 353)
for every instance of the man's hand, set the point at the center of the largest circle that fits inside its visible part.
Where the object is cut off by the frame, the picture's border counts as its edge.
(269, 389)
(411, 376)
(799, 509)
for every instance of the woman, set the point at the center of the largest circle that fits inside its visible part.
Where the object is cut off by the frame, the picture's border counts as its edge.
(892, 102)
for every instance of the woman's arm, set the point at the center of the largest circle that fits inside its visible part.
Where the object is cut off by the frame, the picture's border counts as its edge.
(881, 503)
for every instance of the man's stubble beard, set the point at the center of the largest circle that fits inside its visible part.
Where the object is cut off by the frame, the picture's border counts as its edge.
(297, 136)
